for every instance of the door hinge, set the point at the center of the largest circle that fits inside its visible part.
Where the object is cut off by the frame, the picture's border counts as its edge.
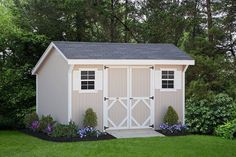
(105, 98)
(106, 127)
(152, 67)
(151, 126)
(106, 67)
(151, 97)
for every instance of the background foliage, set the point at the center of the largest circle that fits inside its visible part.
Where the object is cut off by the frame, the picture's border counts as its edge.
(204, 29)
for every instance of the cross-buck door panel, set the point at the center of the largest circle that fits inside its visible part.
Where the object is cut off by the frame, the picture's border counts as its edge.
(140, 94)
(117, 98)
(128, 101)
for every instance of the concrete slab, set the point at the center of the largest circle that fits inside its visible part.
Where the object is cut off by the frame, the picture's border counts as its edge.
(134, 133)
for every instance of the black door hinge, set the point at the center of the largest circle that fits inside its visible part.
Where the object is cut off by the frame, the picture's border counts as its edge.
(151, 126)
(105, 67)
(105, 98)
(152, 67)
(106, 127)
(151, 97)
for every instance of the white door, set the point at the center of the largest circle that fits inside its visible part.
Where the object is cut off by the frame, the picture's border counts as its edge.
(128, 101)
(142, 97)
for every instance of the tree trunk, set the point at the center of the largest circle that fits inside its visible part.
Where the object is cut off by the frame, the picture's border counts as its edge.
(112, 22)
(209, 20)
(126, 16)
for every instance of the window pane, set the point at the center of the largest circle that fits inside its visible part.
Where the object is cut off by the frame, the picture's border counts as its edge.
(170, 84)
(164, 84)
(84, 77)
(164, 76)
(171, 72)
(91, 87)
(91, 72)
(164, 72)
(171, 76)
(91, 77)
(91, 82)
(84, 82)
(84, 72)
(84, 87)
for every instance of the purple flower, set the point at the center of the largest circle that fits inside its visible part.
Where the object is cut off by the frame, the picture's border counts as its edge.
(88, 132)
(35, 125)
(173, 128)
(48, 129)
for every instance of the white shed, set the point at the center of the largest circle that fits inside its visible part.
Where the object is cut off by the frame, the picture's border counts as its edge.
(129, 86)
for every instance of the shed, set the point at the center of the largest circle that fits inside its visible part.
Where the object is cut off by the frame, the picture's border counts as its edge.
(129, 86)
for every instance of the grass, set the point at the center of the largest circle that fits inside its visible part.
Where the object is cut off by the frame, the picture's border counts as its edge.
(13, 143)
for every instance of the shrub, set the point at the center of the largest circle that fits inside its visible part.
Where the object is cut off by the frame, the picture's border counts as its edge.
(90, 118)
(64, 130)
(30, 118)
(203, 116)
(227, 130)
(171, 117)
(6, 123)
(89, 132)
(45, 122)
(20, 115)
(173, 129)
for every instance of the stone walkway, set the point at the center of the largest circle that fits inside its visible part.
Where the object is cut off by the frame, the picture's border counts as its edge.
(134, 133)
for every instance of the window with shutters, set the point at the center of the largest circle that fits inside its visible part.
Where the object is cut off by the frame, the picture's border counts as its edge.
(167, 77)
(87, 80)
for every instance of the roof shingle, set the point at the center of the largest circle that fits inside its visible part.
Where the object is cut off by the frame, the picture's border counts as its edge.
(95, 50)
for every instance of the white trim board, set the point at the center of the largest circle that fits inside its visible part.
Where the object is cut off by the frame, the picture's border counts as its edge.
(130, 62)
(70, 93)
(183, 84)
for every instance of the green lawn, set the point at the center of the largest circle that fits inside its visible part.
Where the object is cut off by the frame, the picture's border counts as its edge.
(13, 143)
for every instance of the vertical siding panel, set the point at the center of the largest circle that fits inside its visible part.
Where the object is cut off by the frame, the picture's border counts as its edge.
(82, 101)
(163, 99)
(53, 87)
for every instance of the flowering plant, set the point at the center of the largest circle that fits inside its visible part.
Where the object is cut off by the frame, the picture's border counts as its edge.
(48, 130)
(88, 132)
(34, 125)
(176, 128)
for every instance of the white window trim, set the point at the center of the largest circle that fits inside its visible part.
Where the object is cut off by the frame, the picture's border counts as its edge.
(168, 89)
(91, 90)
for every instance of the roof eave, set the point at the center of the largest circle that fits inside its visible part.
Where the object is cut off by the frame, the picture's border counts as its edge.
(130, 62)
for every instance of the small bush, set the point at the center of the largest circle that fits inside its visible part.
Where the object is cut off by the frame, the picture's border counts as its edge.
(90, 118)
(171, 116)
(45, 122)
(30, 118)
(64, 130)
(204, 115)
(227, 130)
(6, 123)
(89, 132)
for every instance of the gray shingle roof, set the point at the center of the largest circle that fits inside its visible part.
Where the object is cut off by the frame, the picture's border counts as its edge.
(93, 50)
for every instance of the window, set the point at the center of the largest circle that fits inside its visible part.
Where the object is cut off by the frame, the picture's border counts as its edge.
(167, 79)
(88, 80)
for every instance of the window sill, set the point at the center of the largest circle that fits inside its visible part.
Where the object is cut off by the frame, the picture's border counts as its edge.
(168, 90)
(88, 91)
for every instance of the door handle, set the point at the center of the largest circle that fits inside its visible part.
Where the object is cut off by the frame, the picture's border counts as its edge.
(131, 98)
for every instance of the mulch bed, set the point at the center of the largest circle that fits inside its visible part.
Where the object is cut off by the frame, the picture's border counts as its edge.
(66, 139)
(173, 134)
